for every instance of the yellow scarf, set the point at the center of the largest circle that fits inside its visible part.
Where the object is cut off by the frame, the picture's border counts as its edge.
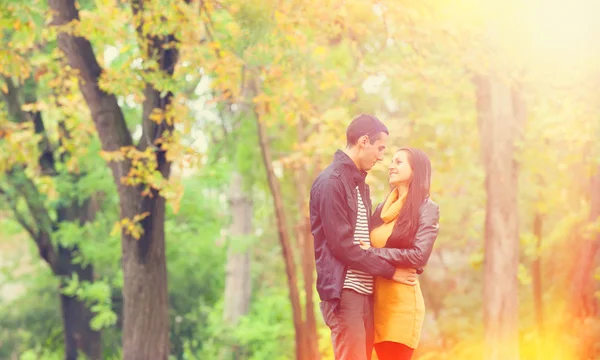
(392, 206)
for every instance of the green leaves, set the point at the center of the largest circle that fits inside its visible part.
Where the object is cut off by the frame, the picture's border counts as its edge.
(97, 295)
(105, 317)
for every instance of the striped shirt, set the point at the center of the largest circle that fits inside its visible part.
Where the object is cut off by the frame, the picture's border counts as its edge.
(357, 280)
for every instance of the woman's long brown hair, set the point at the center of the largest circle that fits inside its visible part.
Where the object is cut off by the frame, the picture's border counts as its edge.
(407, 224)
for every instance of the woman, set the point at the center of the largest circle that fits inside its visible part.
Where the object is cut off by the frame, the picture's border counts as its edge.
(404, 230)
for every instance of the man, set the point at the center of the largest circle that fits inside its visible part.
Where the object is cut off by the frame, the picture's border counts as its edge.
(340, 208)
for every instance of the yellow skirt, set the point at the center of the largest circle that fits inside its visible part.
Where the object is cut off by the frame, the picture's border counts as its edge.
(399, 312)
(399, 309)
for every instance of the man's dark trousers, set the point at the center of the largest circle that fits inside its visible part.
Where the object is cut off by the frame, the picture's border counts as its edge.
(351, 324)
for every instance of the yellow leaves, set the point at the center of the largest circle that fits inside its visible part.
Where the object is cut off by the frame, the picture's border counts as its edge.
(291, 39)
(123, 81)
(523, 275)
(209, 6)
(47, 186)
(112, 156)
(319, 52)
(262, 98)
(214, 45)
(38, 106)
(275, 72)
(234, 29)
(173, 193)
(73, 27)
(263, 103)
(142, 170)
(335, 117)
(103, 27)
(227, 74)
(234, 9)
(290, 118)
(280, 17)
(329, 80)
(157, 115)
(300, 157)
(19, 145)
(143, 167)
(349, 93)
(14, 65)
(130, 227)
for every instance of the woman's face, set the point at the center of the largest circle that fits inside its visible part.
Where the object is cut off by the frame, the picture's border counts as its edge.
(400, 170)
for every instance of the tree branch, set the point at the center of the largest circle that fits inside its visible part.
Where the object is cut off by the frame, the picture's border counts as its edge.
(20, 218)
(41, 235)
(11, 98)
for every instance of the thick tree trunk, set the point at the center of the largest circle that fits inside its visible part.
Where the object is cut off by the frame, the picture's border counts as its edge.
(284, 238)
(145, 302)
(501, 113)
(238, 281)
(144, 260)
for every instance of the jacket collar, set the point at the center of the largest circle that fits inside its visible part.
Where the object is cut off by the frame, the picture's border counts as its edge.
(357, 176)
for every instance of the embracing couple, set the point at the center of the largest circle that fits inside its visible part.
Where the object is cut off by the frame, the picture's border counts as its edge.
(367, 261)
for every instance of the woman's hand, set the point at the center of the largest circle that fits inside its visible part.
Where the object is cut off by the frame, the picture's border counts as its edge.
(364, 245)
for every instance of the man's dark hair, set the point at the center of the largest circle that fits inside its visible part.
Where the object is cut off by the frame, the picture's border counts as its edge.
(364, 125)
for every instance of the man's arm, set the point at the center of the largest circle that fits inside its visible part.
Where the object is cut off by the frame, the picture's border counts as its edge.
(339, 234)
(418, 255)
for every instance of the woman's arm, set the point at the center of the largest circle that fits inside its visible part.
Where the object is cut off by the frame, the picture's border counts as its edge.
(418, 255)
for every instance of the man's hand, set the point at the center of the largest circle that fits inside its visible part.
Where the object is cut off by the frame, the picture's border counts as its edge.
(405, 276)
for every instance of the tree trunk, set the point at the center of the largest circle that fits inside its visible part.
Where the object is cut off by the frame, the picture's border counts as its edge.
(306, 245)
(78, 336)
(144, 262)
(238, 279)
(583, 302)
(284, 237)
(500, 113)
(145, 302)
(308, 266)
(77, 316)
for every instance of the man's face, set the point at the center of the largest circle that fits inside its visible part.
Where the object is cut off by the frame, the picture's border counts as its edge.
(370, 154)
